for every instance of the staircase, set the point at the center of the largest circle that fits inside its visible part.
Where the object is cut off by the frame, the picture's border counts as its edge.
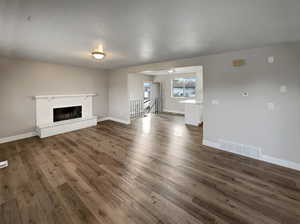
(139, 108)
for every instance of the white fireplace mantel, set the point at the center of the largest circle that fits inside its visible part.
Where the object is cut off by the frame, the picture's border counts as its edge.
(45, 105)
(63, 96)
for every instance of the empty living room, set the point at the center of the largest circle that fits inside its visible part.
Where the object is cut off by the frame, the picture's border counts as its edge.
(149, 112)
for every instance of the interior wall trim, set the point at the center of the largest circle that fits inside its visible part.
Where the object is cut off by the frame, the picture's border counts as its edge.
(280, 162)
(114, 119)
(173, 111)
(102, 119)
(265, 158)
(33, 133)
(17, 137)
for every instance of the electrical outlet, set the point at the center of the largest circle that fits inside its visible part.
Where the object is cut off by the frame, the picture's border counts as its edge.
(3, 164)
(215, 102)
(245, 94)
(271, 60)
(271, 106)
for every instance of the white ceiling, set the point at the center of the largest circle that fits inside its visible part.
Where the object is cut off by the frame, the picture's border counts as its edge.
(141, 31)
(176, 70)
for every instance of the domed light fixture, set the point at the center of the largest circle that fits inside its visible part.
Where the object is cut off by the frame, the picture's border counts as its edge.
(98, 53)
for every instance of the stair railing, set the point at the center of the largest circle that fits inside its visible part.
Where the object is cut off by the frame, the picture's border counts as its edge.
(140, 107)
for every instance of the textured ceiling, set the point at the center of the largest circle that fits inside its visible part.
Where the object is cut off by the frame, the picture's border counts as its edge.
(141, 31)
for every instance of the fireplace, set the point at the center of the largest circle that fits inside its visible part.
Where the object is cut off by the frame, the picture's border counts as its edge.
(67, 113)
(57, 114)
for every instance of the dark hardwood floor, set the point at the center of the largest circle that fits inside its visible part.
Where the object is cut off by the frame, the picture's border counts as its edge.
(153, 171)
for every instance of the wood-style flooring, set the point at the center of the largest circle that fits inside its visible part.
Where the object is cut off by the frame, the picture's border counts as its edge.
(153, 171)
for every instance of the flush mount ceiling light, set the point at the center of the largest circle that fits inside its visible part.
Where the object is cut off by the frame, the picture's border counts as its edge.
(98, 53)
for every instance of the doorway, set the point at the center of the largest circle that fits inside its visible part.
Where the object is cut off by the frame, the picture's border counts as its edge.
(152, 97)
(144, 95)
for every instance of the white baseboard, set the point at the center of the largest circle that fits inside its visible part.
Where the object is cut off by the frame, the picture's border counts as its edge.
(173, 111)
(103, 119)
(281, 162)
(114, 119)
(211, 144)
(265, 158)
(33, 133)
(17, 137)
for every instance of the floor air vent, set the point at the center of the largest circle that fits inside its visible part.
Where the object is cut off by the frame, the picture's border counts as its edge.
(241, 149)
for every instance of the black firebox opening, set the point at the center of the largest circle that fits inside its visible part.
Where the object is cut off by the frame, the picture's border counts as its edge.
(67, 113)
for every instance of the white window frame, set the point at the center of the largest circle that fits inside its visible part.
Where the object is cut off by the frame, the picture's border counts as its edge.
(183, 97)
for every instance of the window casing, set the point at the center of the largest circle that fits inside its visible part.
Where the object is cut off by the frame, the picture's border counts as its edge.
(183, 87)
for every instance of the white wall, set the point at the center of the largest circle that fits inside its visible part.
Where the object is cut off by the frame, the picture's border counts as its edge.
(241, 119)
(20, 80)
(247, 120)
(118, 98)
(172, 104)
(136, 85)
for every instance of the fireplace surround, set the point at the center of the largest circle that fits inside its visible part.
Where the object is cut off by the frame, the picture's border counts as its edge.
(56, 114)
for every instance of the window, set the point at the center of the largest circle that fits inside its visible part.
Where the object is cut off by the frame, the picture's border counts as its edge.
(147, 90)
(184, 87)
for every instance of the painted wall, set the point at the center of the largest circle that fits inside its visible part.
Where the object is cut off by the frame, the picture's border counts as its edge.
(20, 80)
(118, 96)
(136, 85)
(172, 104)
(245, 120)
(248, 120)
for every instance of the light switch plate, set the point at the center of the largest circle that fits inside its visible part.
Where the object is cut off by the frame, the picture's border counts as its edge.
(215, 102)
(3, 164)
(271, 106)
(271, 60)
(283, 89)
